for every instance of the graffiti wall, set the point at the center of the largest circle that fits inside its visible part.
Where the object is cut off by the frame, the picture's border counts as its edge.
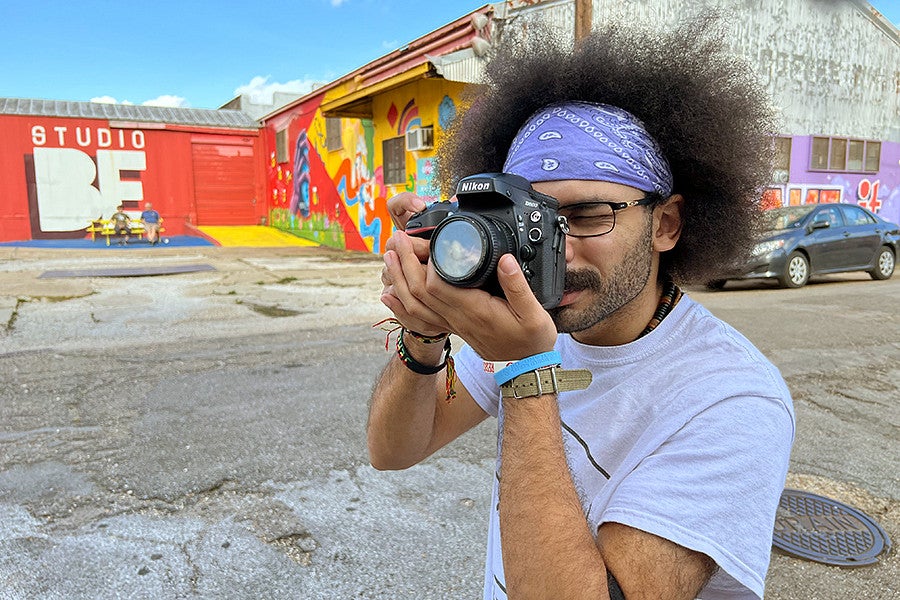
(59, 173)
(878, 191)
(333, 191)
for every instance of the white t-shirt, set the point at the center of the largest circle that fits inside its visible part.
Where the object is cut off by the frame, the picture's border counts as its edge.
(684, 433)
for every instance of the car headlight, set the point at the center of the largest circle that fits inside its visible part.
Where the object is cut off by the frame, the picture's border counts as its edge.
(767, 247)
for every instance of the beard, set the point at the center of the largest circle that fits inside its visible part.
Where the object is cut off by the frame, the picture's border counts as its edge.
(610, 294)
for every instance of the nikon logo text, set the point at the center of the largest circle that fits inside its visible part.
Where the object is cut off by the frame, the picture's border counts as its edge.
(475, 186)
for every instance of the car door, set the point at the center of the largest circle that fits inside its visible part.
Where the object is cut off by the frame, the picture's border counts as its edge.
(863, 239)
(825, 243)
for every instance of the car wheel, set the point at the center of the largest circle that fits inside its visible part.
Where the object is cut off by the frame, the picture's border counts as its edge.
(716, 284)
(884, 265)
(796, 272)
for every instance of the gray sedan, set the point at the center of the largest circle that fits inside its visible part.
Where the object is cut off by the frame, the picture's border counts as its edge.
(815, 239)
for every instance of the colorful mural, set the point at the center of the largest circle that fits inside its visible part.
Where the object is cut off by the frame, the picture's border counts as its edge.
(338, 197)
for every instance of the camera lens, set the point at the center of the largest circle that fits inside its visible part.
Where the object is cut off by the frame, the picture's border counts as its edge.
(465, 248)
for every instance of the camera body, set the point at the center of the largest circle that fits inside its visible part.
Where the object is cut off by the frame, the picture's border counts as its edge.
(496, 214)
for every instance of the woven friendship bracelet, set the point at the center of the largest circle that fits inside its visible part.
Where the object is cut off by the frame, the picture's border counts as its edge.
(427, 339)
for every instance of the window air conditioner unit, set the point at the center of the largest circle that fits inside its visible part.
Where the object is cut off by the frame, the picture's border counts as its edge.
(420, 139)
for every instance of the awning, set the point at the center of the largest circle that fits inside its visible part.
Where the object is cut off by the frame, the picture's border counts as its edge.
(464, 66)
(358, 104)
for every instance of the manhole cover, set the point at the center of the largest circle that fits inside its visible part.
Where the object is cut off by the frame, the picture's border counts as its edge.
(824, 530)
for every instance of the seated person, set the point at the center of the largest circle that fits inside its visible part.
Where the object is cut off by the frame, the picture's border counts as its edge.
(151, 220)
(121, 224)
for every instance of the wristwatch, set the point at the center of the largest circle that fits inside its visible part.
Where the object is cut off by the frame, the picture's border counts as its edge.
(545, 380)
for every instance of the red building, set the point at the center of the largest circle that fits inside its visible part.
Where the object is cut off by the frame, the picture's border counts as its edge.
(63, 164)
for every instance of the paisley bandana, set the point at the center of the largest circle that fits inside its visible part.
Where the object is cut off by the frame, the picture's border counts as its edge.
(588, 141)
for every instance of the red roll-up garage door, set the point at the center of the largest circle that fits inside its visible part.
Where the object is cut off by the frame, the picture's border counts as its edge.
(224, 183)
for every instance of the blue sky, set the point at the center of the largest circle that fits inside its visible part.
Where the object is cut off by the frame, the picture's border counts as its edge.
(200, 53)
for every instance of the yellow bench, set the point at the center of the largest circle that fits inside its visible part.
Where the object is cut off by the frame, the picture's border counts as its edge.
(106, 228)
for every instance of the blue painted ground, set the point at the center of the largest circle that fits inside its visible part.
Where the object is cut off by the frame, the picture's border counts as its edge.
(175, 241)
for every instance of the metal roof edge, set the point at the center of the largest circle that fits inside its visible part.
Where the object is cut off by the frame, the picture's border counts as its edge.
(413, 49)
(227, 118)
(879, 20)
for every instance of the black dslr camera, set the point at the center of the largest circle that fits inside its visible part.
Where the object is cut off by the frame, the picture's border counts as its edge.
(495, 214)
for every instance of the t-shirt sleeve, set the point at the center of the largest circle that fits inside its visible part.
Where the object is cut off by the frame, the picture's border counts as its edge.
(481, 385)
(713, 486)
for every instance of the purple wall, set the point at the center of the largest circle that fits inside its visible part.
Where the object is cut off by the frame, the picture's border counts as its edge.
(879, 192)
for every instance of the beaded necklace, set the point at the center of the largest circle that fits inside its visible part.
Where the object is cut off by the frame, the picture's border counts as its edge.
(670, 297)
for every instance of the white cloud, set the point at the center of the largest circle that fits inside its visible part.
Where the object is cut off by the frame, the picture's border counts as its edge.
(390, 45)
(261, 90)
(337, 2)
(167, 100)
(109, 100)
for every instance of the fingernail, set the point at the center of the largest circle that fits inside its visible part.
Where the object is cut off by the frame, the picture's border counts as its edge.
(508, 264)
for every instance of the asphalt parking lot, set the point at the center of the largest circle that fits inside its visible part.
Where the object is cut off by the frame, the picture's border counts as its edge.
(200, 435)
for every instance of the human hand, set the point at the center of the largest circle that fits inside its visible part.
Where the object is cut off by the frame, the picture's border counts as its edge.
(404, 279)
(509, 328)
(401, 207)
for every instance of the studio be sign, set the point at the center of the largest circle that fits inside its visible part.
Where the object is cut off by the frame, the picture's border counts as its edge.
(82, 172)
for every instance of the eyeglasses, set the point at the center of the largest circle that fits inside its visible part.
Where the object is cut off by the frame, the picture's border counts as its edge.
(590, 219)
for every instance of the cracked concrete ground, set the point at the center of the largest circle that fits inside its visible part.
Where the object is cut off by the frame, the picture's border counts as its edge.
(200, 435)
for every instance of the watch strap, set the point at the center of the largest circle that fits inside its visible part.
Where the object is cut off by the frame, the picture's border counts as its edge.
(545, 381)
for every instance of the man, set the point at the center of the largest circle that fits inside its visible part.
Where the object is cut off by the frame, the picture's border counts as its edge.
(121, 224)
(659, 479)
(151, 220)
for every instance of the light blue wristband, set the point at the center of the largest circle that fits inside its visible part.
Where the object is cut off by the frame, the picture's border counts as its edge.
(532, 363)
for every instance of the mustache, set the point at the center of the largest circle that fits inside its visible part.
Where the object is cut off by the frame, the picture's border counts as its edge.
(581, 279)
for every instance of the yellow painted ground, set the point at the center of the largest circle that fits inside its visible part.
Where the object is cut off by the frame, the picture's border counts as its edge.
(256, 236)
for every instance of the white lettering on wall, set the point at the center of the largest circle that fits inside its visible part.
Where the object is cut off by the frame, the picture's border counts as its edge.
(38, 135)
(64, 177)
(110, 164)
(85, 139)
(103, 137)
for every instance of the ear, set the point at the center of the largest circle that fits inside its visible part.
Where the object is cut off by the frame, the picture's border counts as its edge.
(667, 222)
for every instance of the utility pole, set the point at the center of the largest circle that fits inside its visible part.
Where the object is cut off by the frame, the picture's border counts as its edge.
(583, 18)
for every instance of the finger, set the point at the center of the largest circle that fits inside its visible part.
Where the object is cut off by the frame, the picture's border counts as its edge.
(515, 287)
(409, 263)
(457, 304)
(407, 276)
(421, 246)
(436, 327)
(402, 206)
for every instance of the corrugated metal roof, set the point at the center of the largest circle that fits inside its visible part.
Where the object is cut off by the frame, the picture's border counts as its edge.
(126, 112)
(463, 66)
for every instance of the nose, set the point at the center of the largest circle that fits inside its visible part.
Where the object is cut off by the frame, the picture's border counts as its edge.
(570, 249)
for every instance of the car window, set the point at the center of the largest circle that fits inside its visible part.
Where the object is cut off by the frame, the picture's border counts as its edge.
(831, 214)
(854, 215)
(788, 217)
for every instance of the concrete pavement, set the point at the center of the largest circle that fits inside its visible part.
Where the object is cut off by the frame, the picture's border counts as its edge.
(201, 435)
